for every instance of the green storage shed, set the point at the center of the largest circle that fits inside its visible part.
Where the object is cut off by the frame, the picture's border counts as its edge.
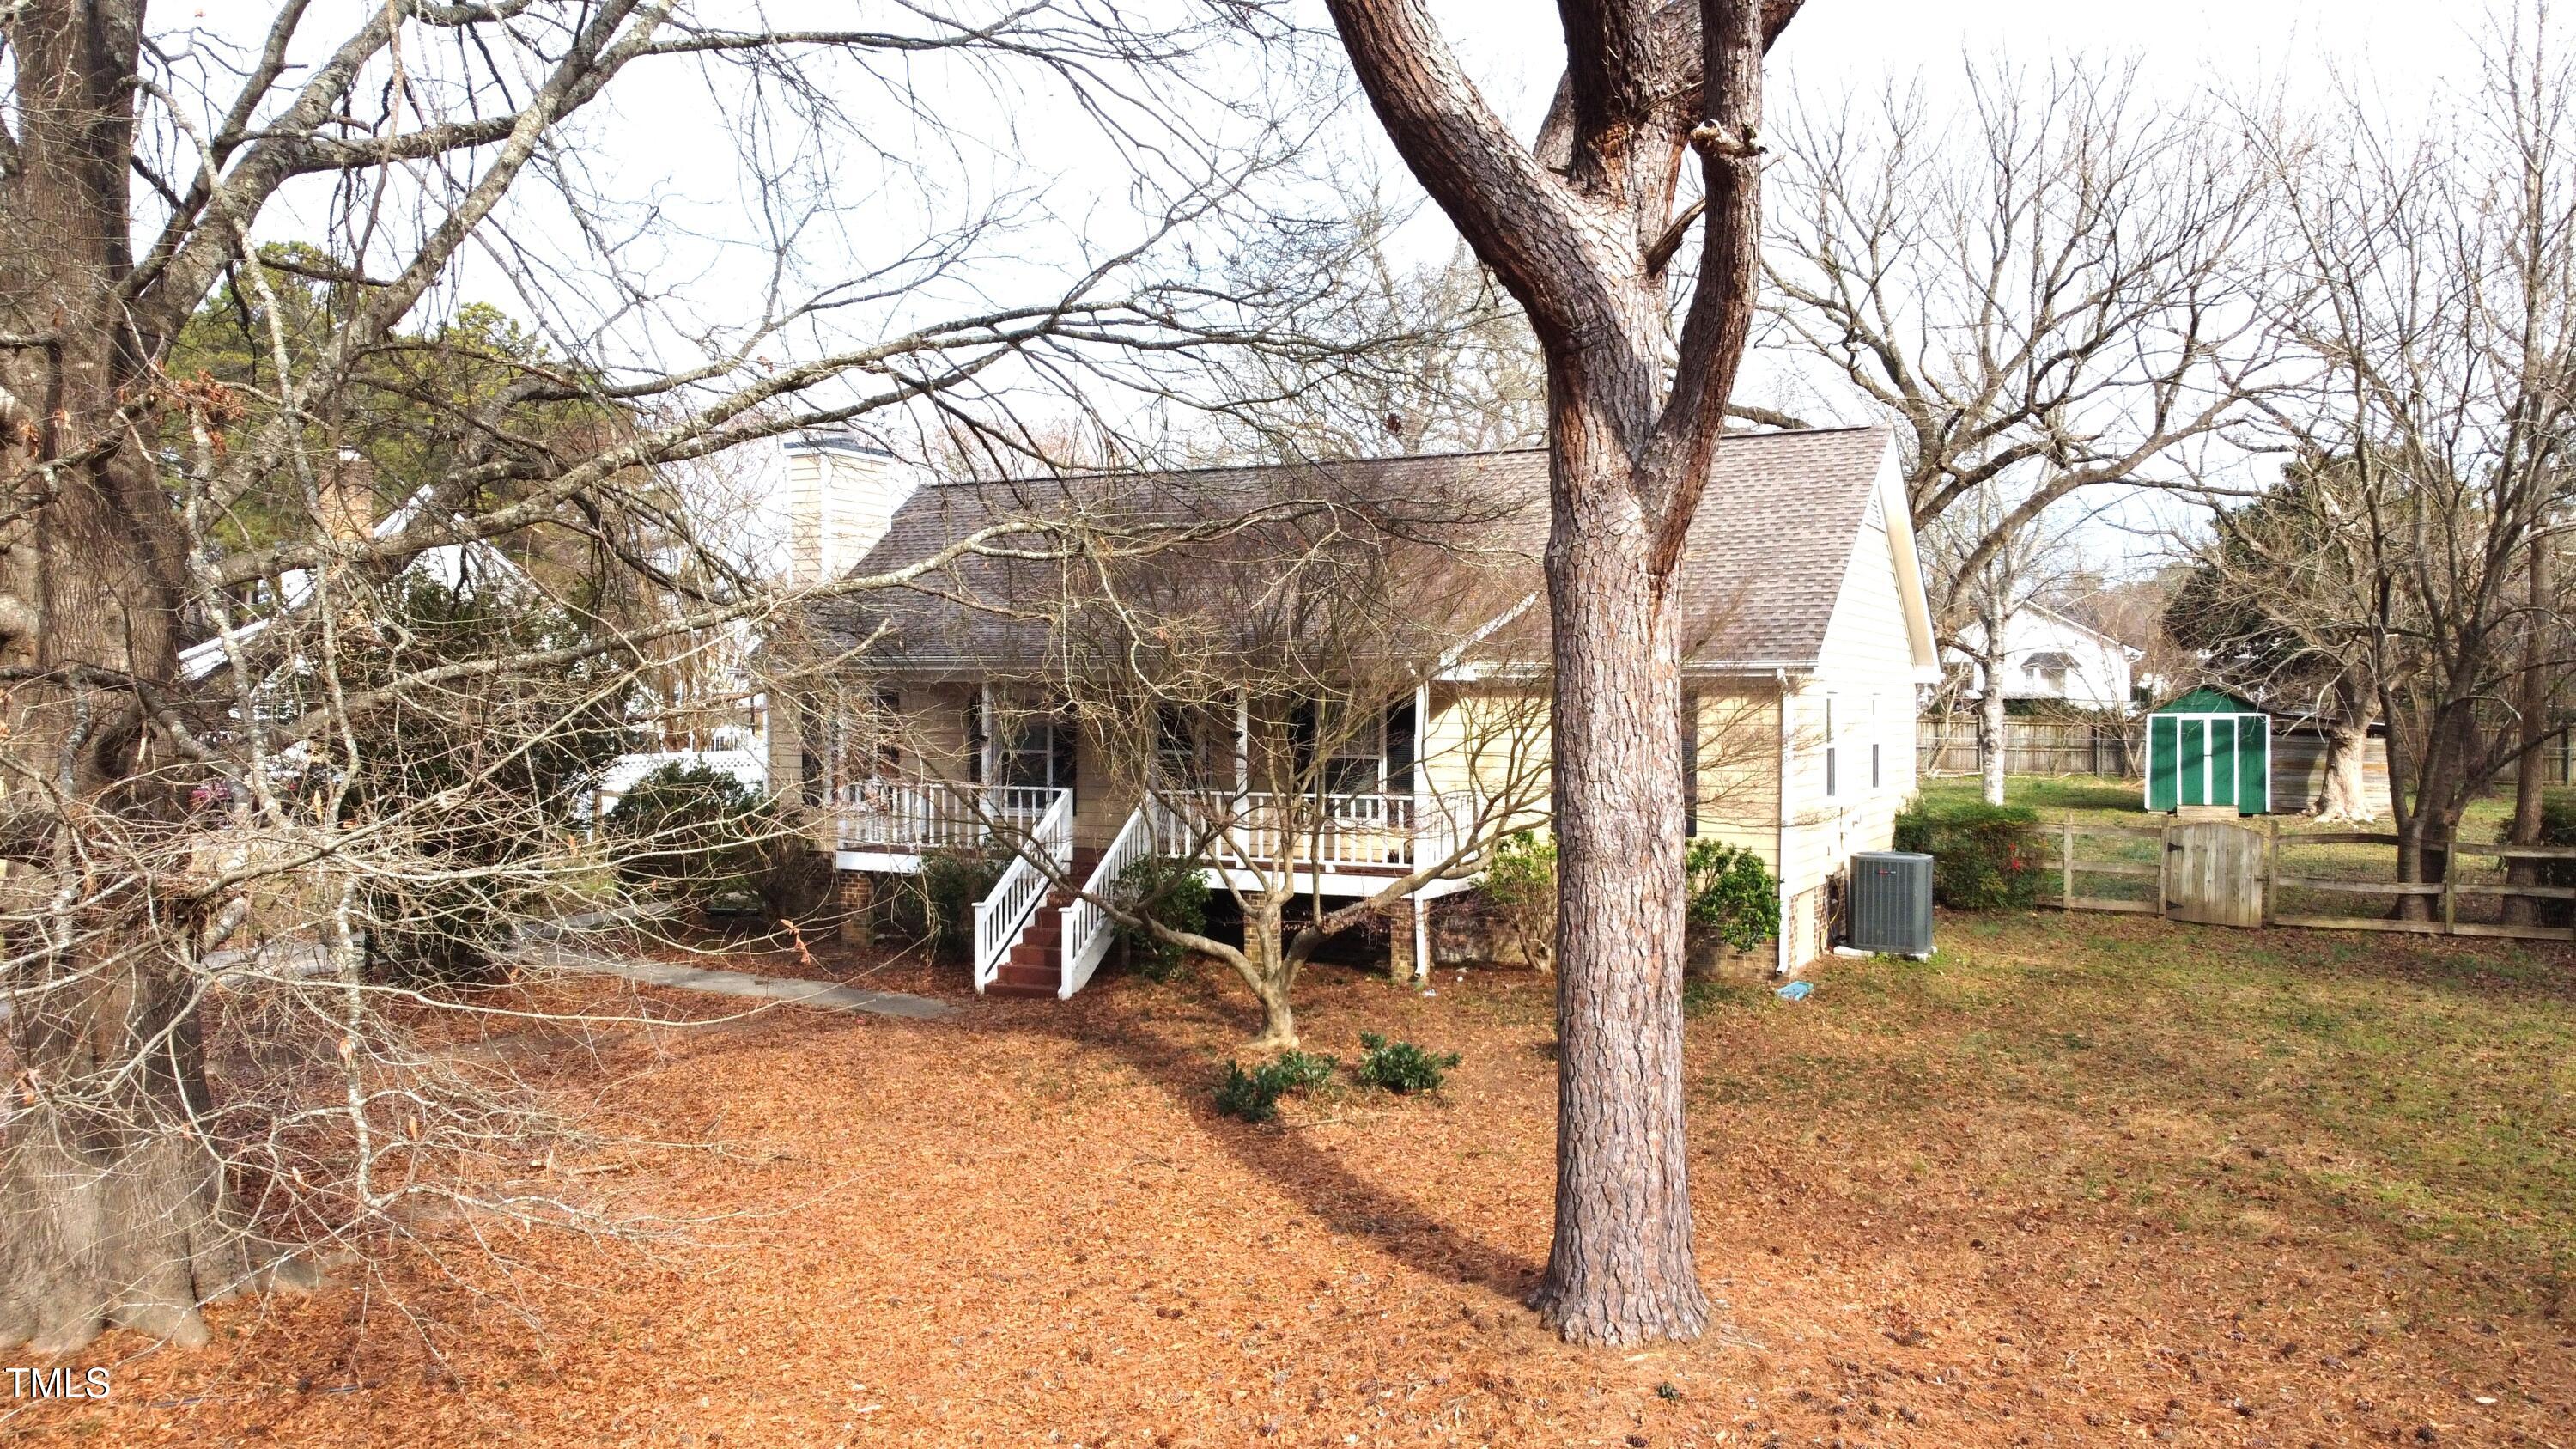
(2209, 748)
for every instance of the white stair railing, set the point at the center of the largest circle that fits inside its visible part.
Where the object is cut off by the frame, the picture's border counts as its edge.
(1087, 928)
(1005, 910)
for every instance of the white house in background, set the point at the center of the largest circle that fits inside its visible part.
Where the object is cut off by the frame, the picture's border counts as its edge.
(2052, 657)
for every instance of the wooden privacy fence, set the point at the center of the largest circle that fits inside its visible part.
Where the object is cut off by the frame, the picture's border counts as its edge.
(2222, 873)
(1948, 745)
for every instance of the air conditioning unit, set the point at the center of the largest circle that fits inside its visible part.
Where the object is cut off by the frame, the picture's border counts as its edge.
(1890, 903)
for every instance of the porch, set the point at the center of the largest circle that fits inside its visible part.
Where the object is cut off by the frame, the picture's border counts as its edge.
(1039, 933)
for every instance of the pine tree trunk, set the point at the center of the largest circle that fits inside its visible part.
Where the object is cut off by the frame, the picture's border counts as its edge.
(1620, 1268)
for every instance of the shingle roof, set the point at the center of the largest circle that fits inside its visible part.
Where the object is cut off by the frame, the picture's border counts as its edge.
(1763, 569)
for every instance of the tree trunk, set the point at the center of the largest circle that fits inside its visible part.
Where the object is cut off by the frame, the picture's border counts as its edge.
(112, 1199)
(1269, 970)
(2529, 780)
(2346, 796)
(1620, 1267)
(1991, 724)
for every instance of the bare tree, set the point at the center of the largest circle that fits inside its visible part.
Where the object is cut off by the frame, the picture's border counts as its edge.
(2274, 604)
(219, 654)
(1581, 230)
(2047, 291)
(1281, 704)
(2009, 565)
(2433, 281)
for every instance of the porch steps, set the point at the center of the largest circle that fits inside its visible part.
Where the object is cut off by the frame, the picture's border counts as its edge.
(1035, 965)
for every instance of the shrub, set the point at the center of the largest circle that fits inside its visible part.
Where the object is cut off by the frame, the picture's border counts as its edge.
(1252, 1096)
(1520, 884)
(1302, 1071)
(1400, 1066)
(1984, 857)
(1732, 893)
(941, 902)
(689, 832)
(1171, 893)
(2557, 827)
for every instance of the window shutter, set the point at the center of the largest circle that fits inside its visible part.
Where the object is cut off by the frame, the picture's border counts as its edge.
(1062, 741)
(1400, 728)
(975, 738)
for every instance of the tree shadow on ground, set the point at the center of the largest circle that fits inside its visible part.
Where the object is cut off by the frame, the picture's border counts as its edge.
(1341, 1199)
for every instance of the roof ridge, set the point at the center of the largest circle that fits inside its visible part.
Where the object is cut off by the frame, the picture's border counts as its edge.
(1097, 473)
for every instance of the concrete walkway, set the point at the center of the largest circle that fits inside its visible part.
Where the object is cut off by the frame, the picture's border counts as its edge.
(546, 946)
(743, 984)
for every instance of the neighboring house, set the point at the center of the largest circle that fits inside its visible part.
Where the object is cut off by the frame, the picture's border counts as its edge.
(2049, 656)
(1804, 631)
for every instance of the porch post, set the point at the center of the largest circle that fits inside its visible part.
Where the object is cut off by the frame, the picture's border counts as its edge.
(1242, 740)
(1421, 938)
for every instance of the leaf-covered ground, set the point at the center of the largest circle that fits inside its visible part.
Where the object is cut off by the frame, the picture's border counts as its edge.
(2075, 1181)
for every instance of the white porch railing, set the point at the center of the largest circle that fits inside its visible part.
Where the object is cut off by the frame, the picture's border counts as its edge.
(1002, 913)
(913, 816)
(1335, 834)
(1087, 928)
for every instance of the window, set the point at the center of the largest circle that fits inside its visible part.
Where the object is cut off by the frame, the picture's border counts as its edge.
(1035, 753)
(1830, 782)
(1354, 761)
(1030, 749)
(1357, 764)
(1178, 756)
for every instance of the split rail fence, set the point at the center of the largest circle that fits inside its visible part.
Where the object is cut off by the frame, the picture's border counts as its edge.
(2223, 873)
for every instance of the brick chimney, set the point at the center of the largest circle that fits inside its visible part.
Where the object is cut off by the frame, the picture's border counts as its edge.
(348, 498)
(841, 497)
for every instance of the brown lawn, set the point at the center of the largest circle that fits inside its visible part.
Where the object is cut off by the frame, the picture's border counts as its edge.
(2076, 1182)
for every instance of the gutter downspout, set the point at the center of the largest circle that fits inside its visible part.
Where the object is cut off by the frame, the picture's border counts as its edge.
(1422, 798)
(1780, 847)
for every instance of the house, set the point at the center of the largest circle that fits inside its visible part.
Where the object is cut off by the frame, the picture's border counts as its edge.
(2051, 656)
(1805, 635)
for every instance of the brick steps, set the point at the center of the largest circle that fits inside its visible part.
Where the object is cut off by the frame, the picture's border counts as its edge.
(1034, 966)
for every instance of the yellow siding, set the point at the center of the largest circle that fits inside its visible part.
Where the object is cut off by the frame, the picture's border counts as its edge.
(1863, 693)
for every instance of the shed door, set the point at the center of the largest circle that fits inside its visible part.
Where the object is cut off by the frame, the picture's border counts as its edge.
(2192, 760)
(2222, 761)
(2162, 747)
(2253, 765)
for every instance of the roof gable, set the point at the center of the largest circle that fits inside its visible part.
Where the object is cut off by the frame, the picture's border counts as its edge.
(1761, 573)
(2205, 700)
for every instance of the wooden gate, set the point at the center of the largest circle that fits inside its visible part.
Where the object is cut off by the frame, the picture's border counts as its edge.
(2214, 873)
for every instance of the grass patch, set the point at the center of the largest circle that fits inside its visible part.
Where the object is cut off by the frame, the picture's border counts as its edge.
(2415, 1092)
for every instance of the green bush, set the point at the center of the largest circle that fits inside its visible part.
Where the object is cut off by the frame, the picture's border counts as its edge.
(691, 833)
(1171, 893)
(939, 904)
(1984, 857)
(1401, 1066)
(2557, 827)
(1520, 885)
(1732, 893)
(1302, 1071)
(1252, 1096)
